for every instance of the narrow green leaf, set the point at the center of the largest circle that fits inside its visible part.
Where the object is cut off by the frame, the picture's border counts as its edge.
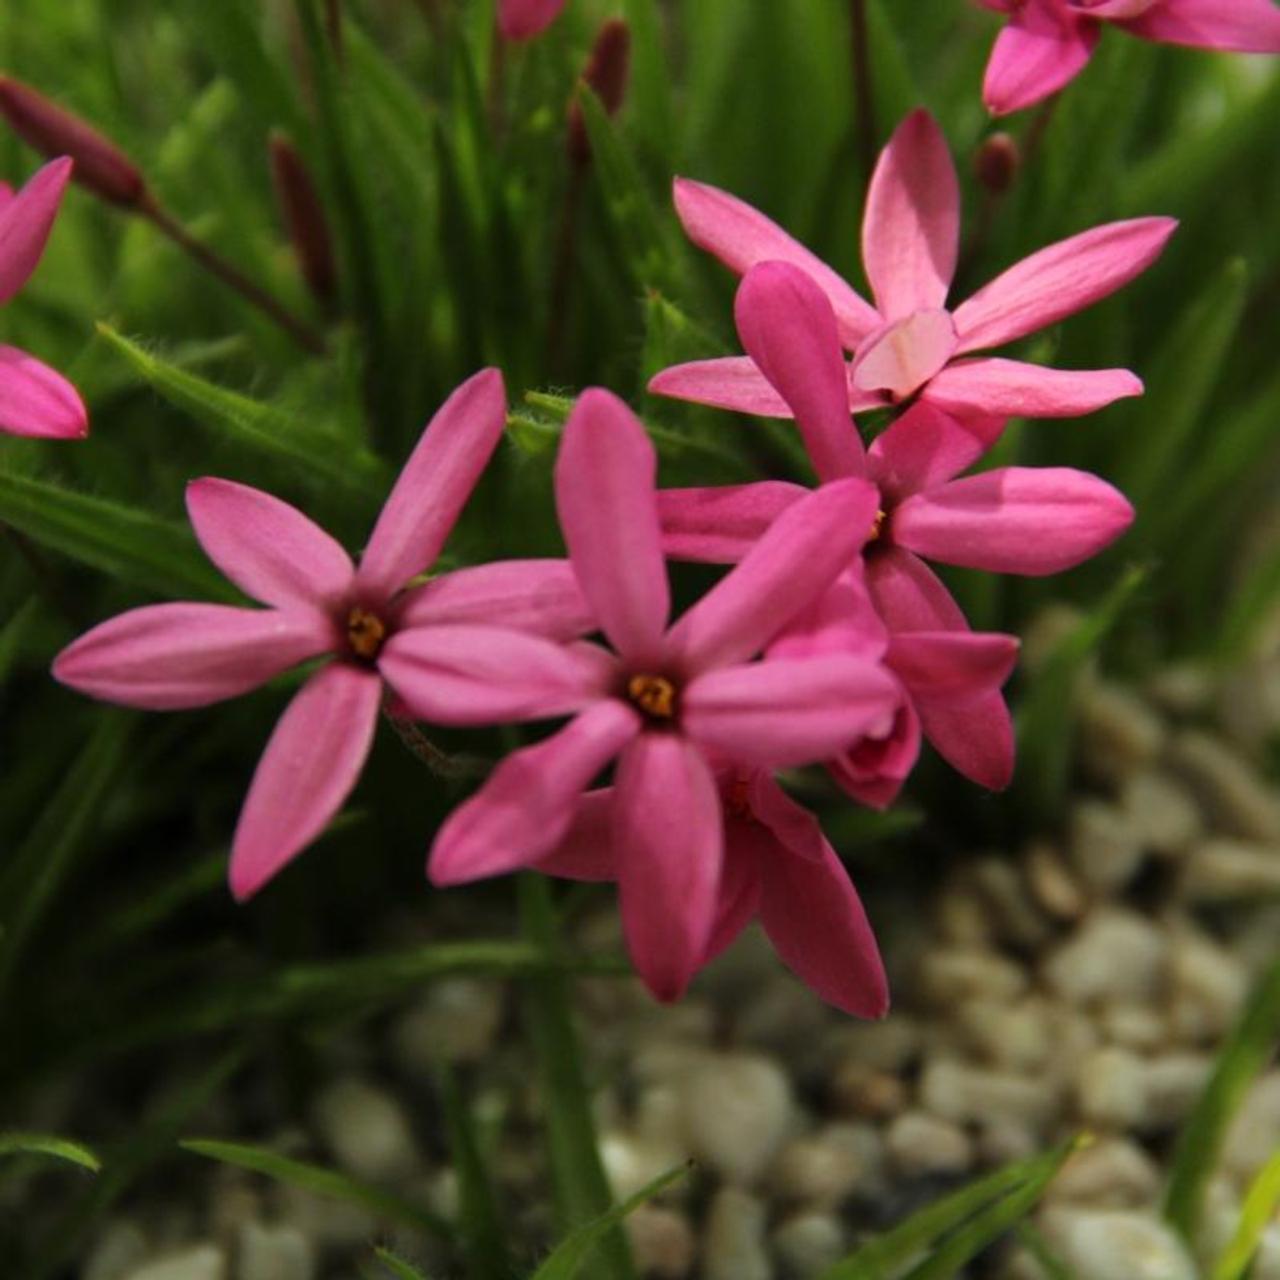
(13, 633)
(581, 1189)
(566, 1260)
(1248, 1049)
(43, 1144)
(397, 1265)
(320, 1181)
(1248, 609)
(1047, 1259)
(1259, 1210)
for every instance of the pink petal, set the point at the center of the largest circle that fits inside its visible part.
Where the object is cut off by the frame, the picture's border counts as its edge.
(38, 401)
(524, 19)
(667, 831)
(310, 765)
(166, 657)
(269, 549)
(1059, 281)
(745, 843)
(476, 675)
(529, 803)
(908, 595)
(719, 525)
(911, 228)
(788, 712)
(896, 361)
(796, 560)
(1043, 48)
(952, 666)
(1250, 26)
(741, 236)
(797, 832)
(874, 770)
(814, 918)
(605, 476)
(434, 485)
(731, 382)
(539, 596)
(974, 737)
(842, 620)
(1011, 389)
(788, 328)
(25, 222)
(925, 447)
(1032, 520)
(586, 852)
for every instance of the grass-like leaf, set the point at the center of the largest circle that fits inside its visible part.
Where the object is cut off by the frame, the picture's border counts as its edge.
(322, 1182)
(398, 1267)
(44, 1144)
(1258, 1211)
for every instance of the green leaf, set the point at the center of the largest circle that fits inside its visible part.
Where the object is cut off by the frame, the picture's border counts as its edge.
(397, 1265)
(322, 1182)
(43, 1144)
(566, 1260)
(578, 1179)
(1047, 1259)
(257, 427)
(13, 633)
(1256, 1215)
(1247, 1051)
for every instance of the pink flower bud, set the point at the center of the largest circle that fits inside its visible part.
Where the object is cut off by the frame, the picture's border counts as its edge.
(99, 164)
(996, 162)
(304, 218)
(606, 74)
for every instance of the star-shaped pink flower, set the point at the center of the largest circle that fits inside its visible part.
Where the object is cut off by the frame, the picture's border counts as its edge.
(34, 399)
(910, 344)
(1008, 520)
(372, 625)
(1046, 43)
(671, 700)
(524, 19)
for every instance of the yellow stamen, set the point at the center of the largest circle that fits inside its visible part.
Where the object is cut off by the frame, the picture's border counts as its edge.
(877, 524)
(365, 632)
(654, 695)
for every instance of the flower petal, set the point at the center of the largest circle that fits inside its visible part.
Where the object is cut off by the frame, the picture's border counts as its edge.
(166, 657)
(975, 737)
(311, 762)
(720, 524)
(815, 919)
(667, 831)
(952, 666)
(270, 550)
(524, 19)
(25, 222)
(729, 382)
(38, 401)
(435, 484)
(798, 558)
(900, 358)
(1032, 520)
(538, 596)
(911, 228)
(787, 712)
(908, 595)
(529, 802)
(477, 675)
(797, 831)
(586, 852)
(745, 843)
(842, 620)
(1248, 26)
(741, 236)
(605, 483)
(1043, 48)
(789, 330)
(1012, 389)
(1059, 281)
(873, 771)
(926, 447)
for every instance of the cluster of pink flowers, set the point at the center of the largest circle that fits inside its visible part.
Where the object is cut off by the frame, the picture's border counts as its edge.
(829, 642)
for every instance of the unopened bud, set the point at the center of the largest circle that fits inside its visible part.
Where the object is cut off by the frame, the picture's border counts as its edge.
(99, 164)
(606, 75)
(996, 162)
(303, 216)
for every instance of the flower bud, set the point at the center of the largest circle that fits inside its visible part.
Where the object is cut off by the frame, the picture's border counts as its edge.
(99, 164)
(996, 162)
(606, 74)
(304, 218)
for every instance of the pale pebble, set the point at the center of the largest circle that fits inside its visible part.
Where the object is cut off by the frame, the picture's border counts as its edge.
(738, 1108)
(1239, 800)
(1111, 1088)
(1174, 1082)
(1118, 1245)
(807, 1244)
(119, 1248)
(274, 1253)
(950, 974)
(456, 1021)
(367, 1129)
(814, 1170)
(920, 1144)
(662, 1242)
(1111, 1173)
(200, 1262)
(1254, 1134)
(1163, 815)
(1224, 869)
(1119, 733)
(1113, 954)
(733, 1242)
(1105, 849)
(965, 1095)
(1052, 883)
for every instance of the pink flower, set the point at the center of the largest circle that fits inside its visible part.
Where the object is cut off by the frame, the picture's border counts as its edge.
(777, 866)
(909, 344)
(372, 628)
(524, 19)
(1009, 520)
(670, 700)
(1046, 43)
(34, 400)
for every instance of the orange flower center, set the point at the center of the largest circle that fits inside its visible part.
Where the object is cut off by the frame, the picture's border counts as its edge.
(365, 632)
(654, 695)
(877, 525)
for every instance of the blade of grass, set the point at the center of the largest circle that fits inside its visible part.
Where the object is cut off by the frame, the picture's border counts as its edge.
(1259, 1210)
(398, 1267)
(44, 1144)
(1033, 1241)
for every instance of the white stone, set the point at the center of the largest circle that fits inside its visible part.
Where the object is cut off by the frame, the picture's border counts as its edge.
(1209, 986)
(1175, 1082)
(1004, 1141)
(1119, 733)
(960, 918)
(1134, 1026)
(1181, 690)
(202, 1262)
(865, 1142)
(733, 1245)
(119, 1248)
(1015, 915)
(1012, 1036)
(815, 1170)
(967, 1095)
(1114, 954)
(1266, 1263)
(807, 1244)
(1105, 849)
(1112, 1173)
(947, 975)
(1224, 868)
(1238, 799)
(859, 1090)
(1118, 1245)
(324, 1219)
(737, 1108)
(1164, 816)
(919, 1144)
(367, 1130)
(662, 1242)
(1254, 1135)
(274, 1253)
(456, 1021)
(1051, 882)
(1111, 1088)
(891, 1045)
(631, 1162)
